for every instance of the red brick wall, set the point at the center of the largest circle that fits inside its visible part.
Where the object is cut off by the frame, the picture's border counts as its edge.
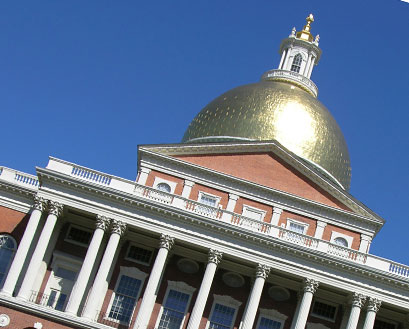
(267, 170)
(331, 228)
(178, 181)
(19, 320)
(13, 222)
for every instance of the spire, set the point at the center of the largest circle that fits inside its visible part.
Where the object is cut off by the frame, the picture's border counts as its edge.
(305, 33)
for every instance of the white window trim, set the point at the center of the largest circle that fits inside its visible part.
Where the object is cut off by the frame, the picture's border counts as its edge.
(395, 324)
(134, 273)
(323, 317)
(178, 286)
(290, 220)
(217, 198)
(67, 239)
(139, 246)
(62, 260)
(271, 314)
(349, 239)
(12, 258)
(171, 184)
(250, 208)
(227, 301)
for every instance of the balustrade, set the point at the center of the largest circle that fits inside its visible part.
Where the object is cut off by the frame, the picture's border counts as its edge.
(91, 175)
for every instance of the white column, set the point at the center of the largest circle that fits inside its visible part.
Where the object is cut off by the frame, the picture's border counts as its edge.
(311, 67)
(25, 243)
(274, 221)
(357, 301)
(117, 230)
(231, 204)
(372, 308)
(287, 58)
(187, 188)
(319, 231)
(307, 65)
(55, 210)
(310, 286)
(151, 290)
(282, 59)
(143, 175)
(214, 259)
(262, 273)
(365, 243)
(78, 290)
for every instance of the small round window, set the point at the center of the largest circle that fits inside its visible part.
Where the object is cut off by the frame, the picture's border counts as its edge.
(163, 187)
(341, 242)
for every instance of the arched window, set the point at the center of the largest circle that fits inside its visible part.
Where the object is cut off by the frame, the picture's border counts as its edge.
(296, 66)
(7, 249)
(341, 242)
(163, 187)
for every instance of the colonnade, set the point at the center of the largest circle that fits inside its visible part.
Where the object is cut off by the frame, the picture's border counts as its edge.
(97, 292)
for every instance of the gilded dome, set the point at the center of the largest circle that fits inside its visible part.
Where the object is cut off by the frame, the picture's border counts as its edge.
(273, 110)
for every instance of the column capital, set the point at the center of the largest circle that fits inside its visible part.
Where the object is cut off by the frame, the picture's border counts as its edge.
(373, 304)
(357, 300)
(310, 285)
(39, 203)
(188, 183)
(145, 170)
(365, 237)
(118, 227)
(233, 196)
(102, 222)
(321, 223)
(214, 256)
(277, 210)
(262, 271)
(55, 208)
(166, 241)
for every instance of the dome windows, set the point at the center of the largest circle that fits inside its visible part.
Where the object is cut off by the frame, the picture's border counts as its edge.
(296, 66)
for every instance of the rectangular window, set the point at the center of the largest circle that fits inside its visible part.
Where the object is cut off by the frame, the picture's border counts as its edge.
(222, 317)
(297, 227)
(379, 324)
(266, 323)
(324, 310)
(174, 310)
(79, 236)
(208, 200)
(139, 255)
(125, 299)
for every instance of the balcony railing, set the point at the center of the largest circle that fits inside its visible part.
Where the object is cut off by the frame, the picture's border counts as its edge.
(19, 178)
(51, 301)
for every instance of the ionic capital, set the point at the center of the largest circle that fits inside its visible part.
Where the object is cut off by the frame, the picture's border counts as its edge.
(55, 208)
(39, 203)
(214, 256)
(310, 285)
(357, 300)
(262, 271)
(102, 222)
(373, 304)
(118, 227)
(166, 241)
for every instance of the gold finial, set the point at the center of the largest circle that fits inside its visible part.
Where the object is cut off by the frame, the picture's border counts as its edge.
(305, 33)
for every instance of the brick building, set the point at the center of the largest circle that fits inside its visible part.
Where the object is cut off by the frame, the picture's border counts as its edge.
(246, 224)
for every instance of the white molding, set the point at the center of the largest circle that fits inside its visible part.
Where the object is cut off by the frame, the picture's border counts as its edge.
(271, 314)
(305, 225)
(254, 209)
(209, 195)
(171, 184)
(227, 301)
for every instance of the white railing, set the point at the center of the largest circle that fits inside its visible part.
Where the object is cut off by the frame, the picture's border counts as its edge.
(347, 253)
(294, 76)
(19, 178)
(91, 175)
(298, 238)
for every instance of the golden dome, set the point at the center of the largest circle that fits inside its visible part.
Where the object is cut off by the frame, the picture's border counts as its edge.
(272, 110)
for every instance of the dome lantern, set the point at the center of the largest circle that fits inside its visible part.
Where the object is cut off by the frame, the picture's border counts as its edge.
(299, 53)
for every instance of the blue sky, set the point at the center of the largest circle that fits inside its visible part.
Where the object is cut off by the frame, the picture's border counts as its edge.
(87, 81)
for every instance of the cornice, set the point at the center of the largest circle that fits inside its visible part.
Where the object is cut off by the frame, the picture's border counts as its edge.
(264, 194)
(126, 205)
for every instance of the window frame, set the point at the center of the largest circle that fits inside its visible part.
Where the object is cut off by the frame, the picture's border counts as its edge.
(323, 301)
(225, 301)
(86, 229)
(179, 286)
(171, 184)
(11, 258)
(131, 272)
(254, 209)
(212, 196)
(299, 66)
(142, 247)
(335, 234)
(305, 225)
(271, 314)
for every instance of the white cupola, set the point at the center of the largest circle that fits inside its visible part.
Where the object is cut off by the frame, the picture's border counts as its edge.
(299, 54)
